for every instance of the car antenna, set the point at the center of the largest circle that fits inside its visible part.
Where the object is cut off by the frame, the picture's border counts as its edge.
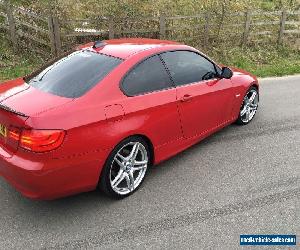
(99, 44)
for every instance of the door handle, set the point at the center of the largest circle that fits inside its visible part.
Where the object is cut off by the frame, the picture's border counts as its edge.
(211, 83)
(186, 98)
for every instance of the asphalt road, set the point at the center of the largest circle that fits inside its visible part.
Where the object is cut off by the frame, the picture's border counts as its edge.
(242, 180)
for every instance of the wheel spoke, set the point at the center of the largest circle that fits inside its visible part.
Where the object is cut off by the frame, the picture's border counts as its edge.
(244, 110)
(130, 181)
(134, 151)
(121, 164)
(252, 98)
(139, 168)
(247, 115)
(252, 113)
(120, 156)
(139, 163)
(117, 180)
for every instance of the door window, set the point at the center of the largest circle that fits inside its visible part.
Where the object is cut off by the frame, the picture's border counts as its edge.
(187, 67)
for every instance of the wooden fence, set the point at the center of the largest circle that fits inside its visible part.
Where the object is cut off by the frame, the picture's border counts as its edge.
(25, 28)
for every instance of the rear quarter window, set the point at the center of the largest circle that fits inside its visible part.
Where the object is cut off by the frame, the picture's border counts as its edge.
(73, 75)
(148, 76)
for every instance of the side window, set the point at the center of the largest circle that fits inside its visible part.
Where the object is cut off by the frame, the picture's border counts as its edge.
(150, 75)
(188, 67)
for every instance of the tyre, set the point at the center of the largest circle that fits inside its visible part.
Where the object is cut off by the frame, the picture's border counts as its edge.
(125, 168)
(249, 107)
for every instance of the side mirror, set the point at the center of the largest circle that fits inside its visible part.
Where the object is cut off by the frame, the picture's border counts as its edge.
(226, 73)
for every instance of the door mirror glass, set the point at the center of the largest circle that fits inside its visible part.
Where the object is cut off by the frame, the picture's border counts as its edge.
(226, 73)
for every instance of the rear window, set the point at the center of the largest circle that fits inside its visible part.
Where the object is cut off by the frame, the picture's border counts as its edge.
(74, 74)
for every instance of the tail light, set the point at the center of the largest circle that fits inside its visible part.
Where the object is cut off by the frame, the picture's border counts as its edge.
(36, 140)
(13, 137)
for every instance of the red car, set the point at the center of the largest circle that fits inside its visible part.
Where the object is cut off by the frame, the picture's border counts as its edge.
(102, 114)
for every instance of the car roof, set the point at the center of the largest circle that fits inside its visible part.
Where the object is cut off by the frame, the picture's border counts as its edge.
(124, 48)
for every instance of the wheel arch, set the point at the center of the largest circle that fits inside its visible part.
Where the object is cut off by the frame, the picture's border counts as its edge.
(149, 143)
(255, 85)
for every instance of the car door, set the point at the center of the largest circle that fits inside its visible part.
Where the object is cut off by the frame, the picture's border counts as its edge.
(151, 105)
(204, 101)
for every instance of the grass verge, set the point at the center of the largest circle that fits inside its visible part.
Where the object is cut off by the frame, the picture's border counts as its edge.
(264, 61)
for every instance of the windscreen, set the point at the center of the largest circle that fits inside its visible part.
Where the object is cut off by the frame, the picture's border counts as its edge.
(74, 74)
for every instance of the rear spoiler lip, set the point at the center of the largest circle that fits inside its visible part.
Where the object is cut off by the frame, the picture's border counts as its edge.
(12, 110)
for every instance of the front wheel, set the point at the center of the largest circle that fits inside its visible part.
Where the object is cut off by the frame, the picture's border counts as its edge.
(249, 107)
(125, 168)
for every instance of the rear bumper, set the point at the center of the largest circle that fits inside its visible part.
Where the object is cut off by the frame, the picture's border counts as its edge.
(52, 179)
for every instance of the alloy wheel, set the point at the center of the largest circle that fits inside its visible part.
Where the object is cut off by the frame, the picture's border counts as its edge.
(249, 106)
(128, 168)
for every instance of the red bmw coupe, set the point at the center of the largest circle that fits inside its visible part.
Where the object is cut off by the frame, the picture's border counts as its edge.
(103, 113)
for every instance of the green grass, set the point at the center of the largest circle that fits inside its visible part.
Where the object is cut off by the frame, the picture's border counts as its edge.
(264, 61)
(22, 68)
(261, 61)
(15, 65)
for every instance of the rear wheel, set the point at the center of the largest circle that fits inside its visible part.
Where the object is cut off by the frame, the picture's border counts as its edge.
(248, 107)
(125, 168)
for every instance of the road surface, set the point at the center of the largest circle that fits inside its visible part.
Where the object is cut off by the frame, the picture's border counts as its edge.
(242, 180)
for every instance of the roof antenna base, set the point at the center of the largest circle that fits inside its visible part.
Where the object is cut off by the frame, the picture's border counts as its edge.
(99, 44)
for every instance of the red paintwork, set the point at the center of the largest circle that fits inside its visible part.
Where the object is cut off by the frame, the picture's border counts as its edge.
(96, 122)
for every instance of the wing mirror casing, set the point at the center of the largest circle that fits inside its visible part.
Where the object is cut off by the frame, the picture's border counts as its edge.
(226, 73)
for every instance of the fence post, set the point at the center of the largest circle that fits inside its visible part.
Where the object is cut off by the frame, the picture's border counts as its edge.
(12, 25)
(162, 26)
(56, 31)
(54, 35)
(111, 31)
(51, 35)
(247, 27)
(282, 26)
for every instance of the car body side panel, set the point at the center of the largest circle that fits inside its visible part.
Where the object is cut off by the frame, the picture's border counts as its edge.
(209, 105)
(200, 112)
(154, 115)
(168, 150)
(225, 99)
